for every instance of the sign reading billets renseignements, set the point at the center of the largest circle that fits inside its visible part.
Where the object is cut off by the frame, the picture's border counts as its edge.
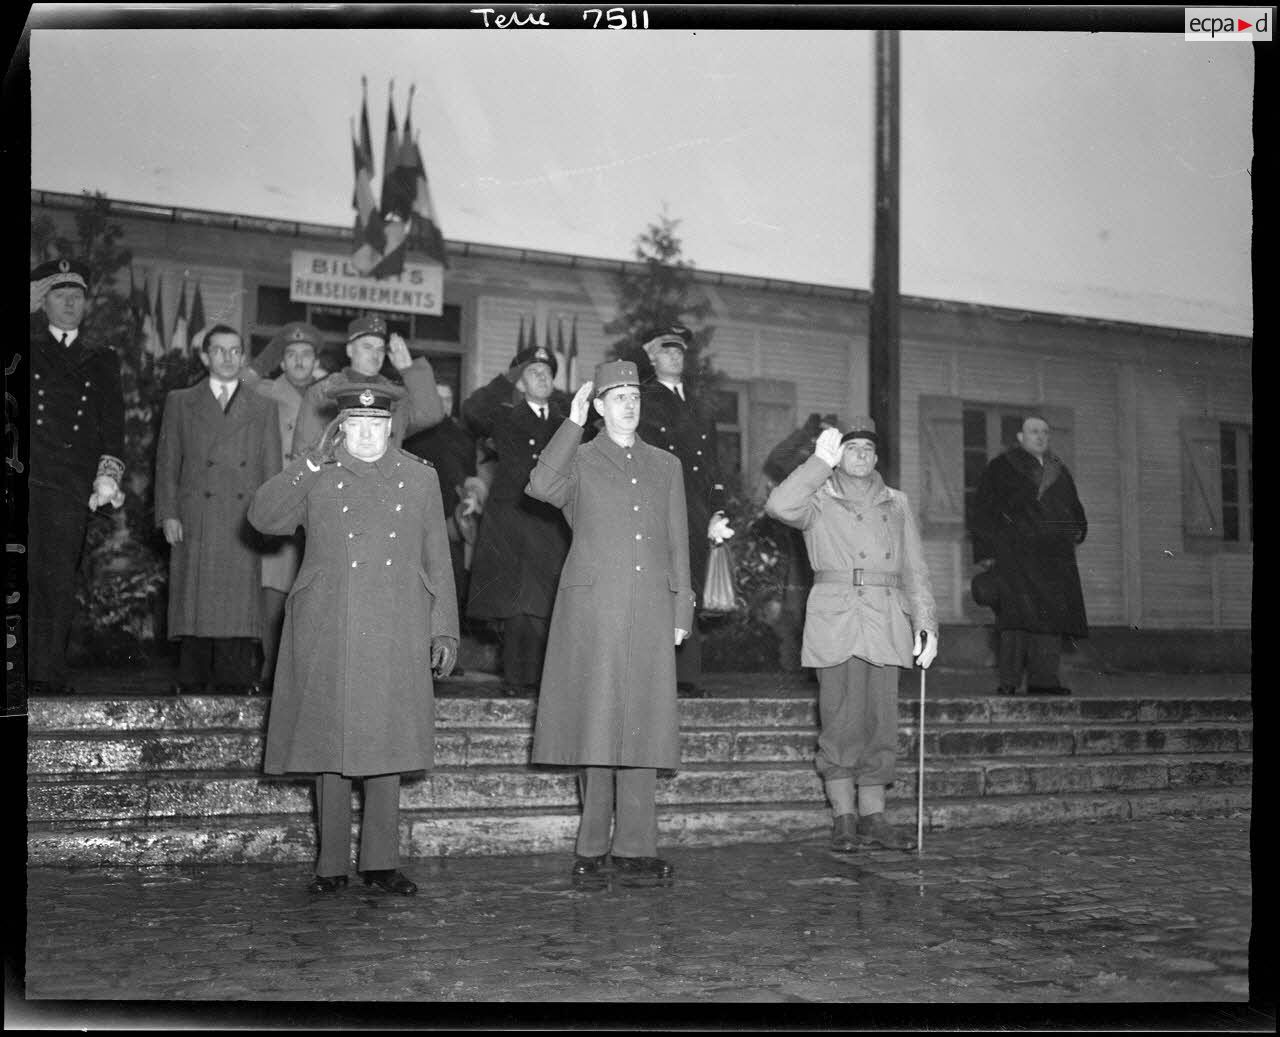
(321, 277)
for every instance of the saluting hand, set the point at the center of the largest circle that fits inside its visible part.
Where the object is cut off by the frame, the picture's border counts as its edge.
(581, 405)
(827, 449)
(398, 352)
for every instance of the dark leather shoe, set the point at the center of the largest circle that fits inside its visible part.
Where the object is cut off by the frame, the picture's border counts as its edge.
(689, 690)
(874, 829)
(643, 867)
(590, 865)
(1047, 689)
(844, 833)
(326, 884)
(391, 881)
(179, 688)
(1007, 689)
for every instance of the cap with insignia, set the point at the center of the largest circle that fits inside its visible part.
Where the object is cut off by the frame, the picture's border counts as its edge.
(668, 335)
(57, 273)
(861, 427)
(294, 333)
(370, 324)
(612, 374)
(536, 355)
(360, 399)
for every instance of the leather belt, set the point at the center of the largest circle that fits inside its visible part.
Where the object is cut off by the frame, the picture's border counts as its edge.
(858, 577)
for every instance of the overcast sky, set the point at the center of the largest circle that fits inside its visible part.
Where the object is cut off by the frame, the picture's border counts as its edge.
(1096, 174)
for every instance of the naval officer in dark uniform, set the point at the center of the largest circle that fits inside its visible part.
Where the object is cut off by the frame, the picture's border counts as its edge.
(522, 542)
(678, 420)
(370, 619)
(77, 442)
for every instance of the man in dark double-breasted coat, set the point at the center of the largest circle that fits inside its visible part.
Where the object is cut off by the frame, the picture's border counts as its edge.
(371, 616)
(219, 441)
(1028, 522)
(77, 442)
(608, 696)
(522, 542)
(675, 419)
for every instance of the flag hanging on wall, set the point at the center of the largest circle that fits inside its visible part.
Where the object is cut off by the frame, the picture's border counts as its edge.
(178, 340)
(195, 323)
(159, 317)
(571, 376)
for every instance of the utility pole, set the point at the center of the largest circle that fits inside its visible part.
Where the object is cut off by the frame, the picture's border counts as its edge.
(883, 347)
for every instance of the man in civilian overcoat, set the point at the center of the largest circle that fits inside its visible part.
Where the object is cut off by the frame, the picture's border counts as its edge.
(371, 617)
(624, 602)
(677, 420)
(522, 542)
(1028, 522)
(218, 443)
(77, 442)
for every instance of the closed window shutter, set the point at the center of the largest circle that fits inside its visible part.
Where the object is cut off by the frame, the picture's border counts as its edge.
(1201, 481)
(941, 464)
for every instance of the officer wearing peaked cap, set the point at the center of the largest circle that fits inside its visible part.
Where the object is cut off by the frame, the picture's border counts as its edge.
(623, 603)
(76, 435)
(522, 542)
(293, 349)
(371, 618)
(676, 418)
(870, 611)
(369, 344)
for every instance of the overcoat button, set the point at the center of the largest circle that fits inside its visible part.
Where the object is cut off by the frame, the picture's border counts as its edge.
(40, 406)
(339, 485)
(392, 534)
(399, 506)
(350, 536)
(699, 453)
(639, 536)
(388, 561)
(695, 468)
(639, 569)
(533, 442)
(345, 509)
(354, 564)
(400, 486)
(628, 457)
(634, 481)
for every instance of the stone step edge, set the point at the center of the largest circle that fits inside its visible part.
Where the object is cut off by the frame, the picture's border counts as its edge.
(291, 839)
(934, 763)
(1066, 711)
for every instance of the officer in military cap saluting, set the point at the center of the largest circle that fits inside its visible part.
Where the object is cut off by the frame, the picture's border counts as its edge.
(77, 442)
(676, 419)
(608, 698)
(371, 617)
(368, 345)
(522, 542)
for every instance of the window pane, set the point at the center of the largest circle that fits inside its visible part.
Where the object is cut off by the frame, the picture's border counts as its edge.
(975, 430)
(1228, 443)
(730, 444)
(275, 307)
(726, 402)
(445, 328)
(1230, 522)
(1010, 426)
(975, 464)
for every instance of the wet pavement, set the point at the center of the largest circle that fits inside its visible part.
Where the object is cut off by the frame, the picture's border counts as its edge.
(1139, 912)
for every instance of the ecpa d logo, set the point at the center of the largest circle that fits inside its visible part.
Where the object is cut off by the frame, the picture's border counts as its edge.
(1228, 24)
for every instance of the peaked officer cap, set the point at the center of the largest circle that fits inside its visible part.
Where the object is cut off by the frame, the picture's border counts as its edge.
(358, 399)
(667, 335)
(297, 331)
(371, 324)
(536, 355)
(57, 273)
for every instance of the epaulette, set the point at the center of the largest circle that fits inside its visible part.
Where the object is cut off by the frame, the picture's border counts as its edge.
(420, 460)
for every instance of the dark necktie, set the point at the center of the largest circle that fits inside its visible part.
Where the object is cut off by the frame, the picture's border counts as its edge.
(224, 397)
(680, 392)
(64, 338)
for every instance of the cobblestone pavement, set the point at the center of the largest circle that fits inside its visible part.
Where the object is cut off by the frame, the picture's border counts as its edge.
(1143, 911)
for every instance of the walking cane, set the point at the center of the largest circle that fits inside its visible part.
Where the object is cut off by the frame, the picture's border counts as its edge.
(920, 773)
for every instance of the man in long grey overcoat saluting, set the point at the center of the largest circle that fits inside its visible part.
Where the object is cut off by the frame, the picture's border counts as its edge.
(608, 695)
(370, 617)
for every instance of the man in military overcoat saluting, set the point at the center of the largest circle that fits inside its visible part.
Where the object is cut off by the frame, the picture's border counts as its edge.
(371, 618)
(608, 697)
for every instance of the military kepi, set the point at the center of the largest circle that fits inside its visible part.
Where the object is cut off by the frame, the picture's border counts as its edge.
(57, 273)
(361, 399)
(370, 324)
(612, 374)
(861, 427)
(294, 333)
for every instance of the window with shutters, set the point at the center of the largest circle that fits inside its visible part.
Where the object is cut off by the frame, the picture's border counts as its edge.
(1217, 485)
(957, 440)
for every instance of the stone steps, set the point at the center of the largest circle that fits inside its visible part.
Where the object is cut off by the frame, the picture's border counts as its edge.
(142, 780)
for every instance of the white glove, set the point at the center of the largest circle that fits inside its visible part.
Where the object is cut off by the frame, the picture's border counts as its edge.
(718, 530)
(680, 635)
(105, 491)
(925, 649)
(828, 449)
(580, 407)
(470, 506)
(398, 351)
